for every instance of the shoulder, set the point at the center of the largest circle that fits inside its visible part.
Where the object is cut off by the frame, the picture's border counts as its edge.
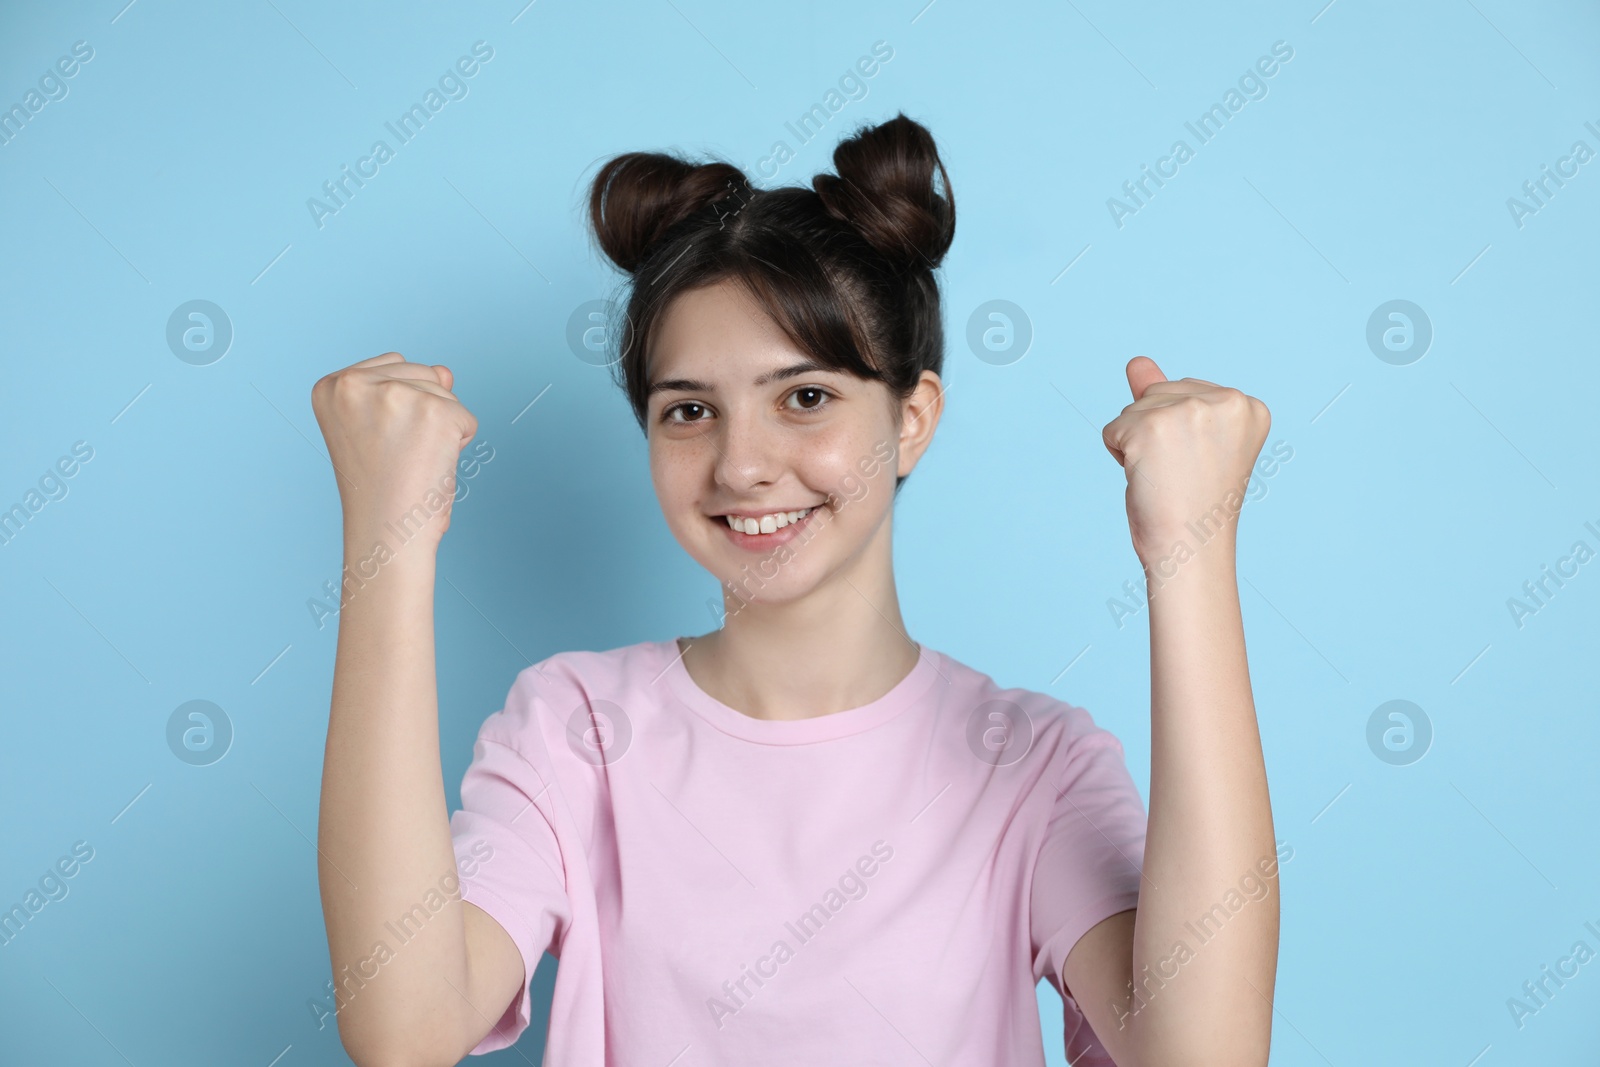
(580, 670)
(574, 682)
(1051, 728)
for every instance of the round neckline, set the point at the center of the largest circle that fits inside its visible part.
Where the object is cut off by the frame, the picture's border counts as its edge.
(836, 724)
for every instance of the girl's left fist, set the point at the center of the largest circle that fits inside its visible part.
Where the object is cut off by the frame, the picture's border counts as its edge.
(1187, 447)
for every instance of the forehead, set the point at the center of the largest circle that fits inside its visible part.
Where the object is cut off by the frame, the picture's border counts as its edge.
(715, 329)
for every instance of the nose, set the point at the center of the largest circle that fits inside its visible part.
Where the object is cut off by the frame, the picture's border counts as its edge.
(750, 452)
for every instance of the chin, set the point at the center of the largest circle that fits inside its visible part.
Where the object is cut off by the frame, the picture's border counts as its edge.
(751, 594)
(762, 579)
(783, 573)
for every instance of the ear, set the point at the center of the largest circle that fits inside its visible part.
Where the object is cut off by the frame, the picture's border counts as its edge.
(919, 417)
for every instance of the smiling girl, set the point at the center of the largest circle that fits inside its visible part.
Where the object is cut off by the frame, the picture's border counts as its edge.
(806, 837)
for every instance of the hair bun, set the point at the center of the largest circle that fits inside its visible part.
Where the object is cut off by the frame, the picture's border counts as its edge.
(885, 189)
(639, 196)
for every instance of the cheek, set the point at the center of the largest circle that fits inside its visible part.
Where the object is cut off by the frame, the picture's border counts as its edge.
(849, 466)
(668, 476)
(680, 472)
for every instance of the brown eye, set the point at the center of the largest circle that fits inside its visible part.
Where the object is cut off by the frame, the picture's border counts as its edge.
(820, 394)
(666, 416)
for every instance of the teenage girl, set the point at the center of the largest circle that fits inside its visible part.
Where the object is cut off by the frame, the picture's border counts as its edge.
(805, 837)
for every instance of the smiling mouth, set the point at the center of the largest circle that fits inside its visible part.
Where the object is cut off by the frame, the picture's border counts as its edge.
(769, 523)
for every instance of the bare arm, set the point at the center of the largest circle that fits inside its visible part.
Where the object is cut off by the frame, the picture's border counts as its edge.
(1187, 978)
(1209, 835)
(383, 832)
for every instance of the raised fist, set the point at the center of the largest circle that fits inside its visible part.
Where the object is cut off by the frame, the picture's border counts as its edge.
(394, 432)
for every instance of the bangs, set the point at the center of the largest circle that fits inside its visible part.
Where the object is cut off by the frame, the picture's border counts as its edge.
(815, 304)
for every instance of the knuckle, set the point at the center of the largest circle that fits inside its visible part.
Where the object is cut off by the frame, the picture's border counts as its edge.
(341, 393)
(391, 395)
(436, 410)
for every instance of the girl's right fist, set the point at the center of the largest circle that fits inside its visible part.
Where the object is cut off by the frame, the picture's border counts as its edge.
(394, 432)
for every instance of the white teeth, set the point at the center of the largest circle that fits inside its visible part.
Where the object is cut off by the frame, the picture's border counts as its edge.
(767, 523)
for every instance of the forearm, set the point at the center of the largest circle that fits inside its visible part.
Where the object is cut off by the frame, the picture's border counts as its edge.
(1205, 937)
(383, 834)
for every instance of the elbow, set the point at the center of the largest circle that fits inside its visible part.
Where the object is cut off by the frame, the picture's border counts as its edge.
(1245, 1049)
(370, 1045)
(395, 1056)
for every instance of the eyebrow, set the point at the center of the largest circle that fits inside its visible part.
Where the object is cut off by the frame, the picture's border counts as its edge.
(690, 385)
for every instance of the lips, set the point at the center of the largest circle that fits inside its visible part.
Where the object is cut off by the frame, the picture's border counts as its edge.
(764, 522)
(763, 541)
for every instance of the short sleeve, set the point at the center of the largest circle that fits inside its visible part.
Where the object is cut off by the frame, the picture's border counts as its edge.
(507, 850)
(1093, 851)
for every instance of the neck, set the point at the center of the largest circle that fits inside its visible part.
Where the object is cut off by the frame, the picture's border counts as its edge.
(840, 646)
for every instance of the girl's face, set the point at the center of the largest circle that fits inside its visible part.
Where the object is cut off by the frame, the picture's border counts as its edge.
(740, 422)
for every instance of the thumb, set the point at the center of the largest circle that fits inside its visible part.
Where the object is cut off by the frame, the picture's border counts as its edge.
(1142, 374)
(446, 377)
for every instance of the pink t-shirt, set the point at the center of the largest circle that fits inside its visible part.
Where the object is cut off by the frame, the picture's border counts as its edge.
(882, 885)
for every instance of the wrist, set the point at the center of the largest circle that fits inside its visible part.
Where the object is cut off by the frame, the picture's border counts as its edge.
(1199, 593)
(1165, 560)
(379, 578)
(365, 531)
(370, 550)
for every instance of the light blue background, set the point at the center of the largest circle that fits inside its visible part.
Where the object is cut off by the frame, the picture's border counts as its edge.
(1377, 566)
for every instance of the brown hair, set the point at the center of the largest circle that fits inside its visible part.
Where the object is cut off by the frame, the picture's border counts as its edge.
(845, 268)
